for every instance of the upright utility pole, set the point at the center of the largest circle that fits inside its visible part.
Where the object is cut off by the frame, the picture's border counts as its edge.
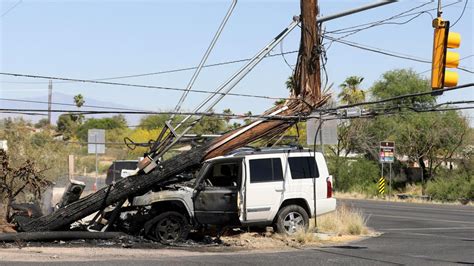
(50, 96)
(307, 78)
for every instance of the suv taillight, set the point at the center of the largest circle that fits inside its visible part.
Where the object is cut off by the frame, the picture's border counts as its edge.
(329, 189)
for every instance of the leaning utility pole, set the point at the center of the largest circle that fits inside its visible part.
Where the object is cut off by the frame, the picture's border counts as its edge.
(50, 96)
(307, 78)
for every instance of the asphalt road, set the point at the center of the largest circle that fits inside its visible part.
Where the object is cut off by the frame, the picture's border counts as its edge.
(413, 234)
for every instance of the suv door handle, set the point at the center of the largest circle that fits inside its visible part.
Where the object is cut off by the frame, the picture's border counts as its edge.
(279, 189)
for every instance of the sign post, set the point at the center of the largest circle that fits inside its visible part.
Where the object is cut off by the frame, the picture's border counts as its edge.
(96, 145)
(387, 155)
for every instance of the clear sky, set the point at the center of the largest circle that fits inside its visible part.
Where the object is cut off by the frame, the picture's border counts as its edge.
(97, 39)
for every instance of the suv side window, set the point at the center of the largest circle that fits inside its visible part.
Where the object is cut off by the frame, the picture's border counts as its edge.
(265, 170)
(303, 167)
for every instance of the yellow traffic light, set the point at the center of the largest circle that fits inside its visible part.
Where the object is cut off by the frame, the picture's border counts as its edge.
(442, 58)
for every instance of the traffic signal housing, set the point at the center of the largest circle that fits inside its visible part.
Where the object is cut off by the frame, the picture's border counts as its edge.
(442, 58)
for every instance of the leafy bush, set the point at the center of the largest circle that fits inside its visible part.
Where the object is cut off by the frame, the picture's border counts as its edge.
(449, 187)
(355, 175)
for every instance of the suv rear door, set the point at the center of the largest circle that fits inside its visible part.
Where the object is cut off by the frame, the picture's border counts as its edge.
(264, 187)
(306, 168)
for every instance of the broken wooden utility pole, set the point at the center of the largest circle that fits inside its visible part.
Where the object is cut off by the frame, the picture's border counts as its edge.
(305, 97)
(307, 77)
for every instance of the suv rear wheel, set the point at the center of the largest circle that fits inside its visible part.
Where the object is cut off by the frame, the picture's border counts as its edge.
(170, 227)
(291, 219)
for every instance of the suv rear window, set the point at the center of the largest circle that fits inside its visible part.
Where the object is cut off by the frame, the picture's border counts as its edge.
(265, 170)
(303, 167)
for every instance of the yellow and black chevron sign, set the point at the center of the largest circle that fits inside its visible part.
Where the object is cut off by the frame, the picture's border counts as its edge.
(381, 185)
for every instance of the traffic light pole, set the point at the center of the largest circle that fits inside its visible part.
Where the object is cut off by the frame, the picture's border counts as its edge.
(440, 12)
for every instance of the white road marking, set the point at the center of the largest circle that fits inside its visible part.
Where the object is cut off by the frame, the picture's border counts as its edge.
(422, 219)
(411, 207)
(442, 236)
(426, 228)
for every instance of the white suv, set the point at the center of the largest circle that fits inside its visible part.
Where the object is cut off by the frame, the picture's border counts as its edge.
(247, 188)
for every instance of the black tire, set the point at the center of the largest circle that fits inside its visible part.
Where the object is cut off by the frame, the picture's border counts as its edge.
(170, 227)
(291, 219)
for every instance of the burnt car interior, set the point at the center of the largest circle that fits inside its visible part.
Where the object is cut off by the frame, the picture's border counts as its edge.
(223, 175)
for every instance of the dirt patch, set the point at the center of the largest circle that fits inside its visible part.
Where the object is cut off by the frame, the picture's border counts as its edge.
(266, 241)
(110, 250)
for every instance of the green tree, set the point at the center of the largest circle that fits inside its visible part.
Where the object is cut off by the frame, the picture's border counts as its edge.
(400, 82)
(422, 137)
(210, 125)
(429, 139)
(67, 125)
(157, 121)
(432, 137)
(108, 123)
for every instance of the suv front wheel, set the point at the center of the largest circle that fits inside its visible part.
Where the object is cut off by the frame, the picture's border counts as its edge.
(171, 227)
(291, 219)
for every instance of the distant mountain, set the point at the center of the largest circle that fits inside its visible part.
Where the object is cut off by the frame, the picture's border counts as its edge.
(64, 98)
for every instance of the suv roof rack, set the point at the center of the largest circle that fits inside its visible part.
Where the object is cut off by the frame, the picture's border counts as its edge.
(251, 150)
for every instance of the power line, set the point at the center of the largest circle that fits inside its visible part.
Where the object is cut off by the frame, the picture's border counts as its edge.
(68, 104)
(164, 71)
(400, 97)
(462, 13)
(463, 58)
(23, 113)
(11, 8)
(376, 50)
(234, 116)
(369, 113)
(138, 85)
(388, 53)
(357, 28)
(381, 22)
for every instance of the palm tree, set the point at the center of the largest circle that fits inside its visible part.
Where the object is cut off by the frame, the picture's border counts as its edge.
(351, 93)
(290, 83)
(79, 100)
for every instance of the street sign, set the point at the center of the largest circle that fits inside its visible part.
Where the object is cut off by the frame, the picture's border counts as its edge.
(381, 185)
(328, 131)
(3, 145)
(96, 141)
(387, 152)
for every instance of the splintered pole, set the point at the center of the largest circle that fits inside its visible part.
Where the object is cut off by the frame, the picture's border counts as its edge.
(307, 79)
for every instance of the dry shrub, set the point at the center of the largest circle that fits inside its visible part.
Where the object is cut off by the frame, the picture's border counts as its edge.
(343, 221)
(305, 237)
